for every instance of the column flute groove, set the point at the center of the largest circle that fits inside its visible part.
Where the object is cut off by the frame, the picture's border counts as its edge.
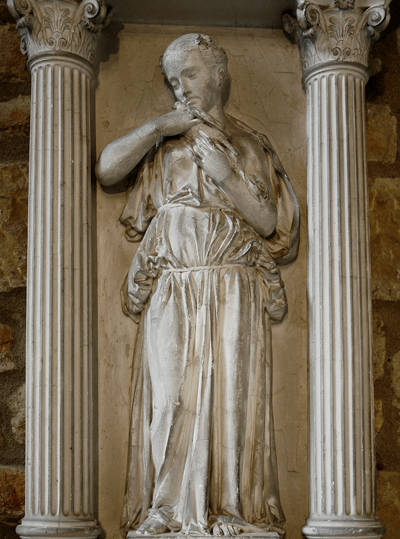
(59, 38)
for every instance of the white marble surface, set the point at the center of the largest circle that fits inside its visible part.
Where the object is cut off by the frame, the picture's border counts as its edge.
(267, 95)
(267, 535)
(60, 463)
(334, 43)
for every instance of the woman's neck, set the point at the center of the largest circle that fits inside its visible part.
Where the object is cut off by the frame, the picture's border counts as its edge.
(218, 113)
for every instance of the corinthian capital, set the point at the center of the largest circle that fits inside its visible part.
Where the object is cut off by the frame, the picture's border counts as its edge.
(339, 30)
(59, 26)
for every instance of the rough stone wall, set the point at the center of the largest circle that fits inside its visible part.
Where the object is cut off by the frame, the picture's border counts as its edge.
(14, 148)
(383, 113)
(383, 135)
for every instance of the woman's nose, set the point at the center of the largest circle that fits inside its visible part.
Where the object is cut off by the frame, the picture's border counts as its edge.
(184, 89)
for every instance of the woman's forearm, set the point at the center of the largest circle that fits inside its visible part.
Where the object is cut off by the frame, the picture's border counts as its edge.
(253, 203)
(120, 157)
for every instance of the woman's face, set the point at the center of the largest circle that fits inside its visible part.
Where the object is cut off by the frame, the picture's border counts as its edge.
(193, 82)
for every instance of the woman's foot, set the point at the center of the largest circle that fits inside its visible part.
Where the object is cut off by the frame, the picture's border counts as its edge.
(152, 526)
(225, 530)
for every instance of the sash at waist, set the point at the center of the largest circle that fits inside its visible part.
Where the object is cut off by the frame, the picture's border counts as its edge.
(173, 205)
(204, 268)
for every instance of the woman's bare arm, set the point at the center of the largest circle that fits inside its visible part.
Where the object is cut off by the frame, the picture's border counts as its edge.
(250, 196)
(120, 157)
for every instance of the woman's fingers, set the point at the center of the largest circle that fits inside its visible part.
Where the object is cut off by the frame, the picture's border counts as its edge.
(222, 144)
(205, 138)
(203, 145)
(195, 158)
(204, 141)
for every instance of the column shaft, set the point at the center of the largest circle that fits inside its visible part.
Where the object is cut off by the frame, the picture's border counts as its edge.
(334, 38)
(60, 38)
(59, 469)
(342, 462)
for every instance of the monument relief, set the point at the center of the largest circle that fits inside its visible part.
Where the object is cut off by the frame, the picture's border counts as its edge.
(215, 215)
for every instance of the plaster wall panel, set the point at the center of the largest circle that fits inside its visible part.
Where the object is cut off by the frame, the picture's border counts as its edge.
(266, 94)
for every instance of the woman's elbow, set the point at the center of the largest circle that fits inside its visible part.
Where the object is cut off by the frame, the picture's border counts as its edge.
(267, 226)
(104, 174)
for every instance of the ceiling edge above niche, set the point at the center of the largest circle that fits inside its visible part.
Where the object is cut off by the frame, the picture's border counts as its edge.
(234, 13)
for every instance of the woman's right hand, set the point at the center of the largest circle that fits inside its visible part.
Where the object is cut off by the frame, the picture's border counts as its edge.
(174, 123)
(120, 157)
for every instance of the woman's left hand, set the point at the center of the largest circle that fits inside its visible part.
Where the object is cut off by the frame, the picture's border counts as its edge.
(217, 160)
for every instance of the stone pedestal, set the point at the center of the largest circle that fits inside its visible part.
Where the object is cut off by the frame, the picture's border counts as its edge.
(266, 535)
(59, 39)
(334, 43)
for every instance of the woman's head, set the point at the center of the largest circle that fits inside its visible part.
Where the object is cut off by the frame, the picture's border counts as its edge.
(206, 56)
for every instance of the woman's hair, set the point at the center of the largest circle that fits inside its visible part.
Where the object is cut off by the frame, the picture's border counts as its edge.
(213, 56)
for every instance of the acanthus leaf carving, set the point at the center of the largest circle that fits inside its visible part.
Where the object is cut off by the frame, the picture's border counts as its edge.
(61, 26)
(339, 32)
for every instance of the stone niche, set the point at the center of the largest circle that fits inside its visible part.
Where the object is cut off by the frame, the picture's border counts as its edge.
(266, 94)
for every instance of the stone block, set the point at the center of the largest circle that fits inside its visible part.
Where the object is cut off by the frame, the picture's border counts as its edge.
(6, 341)
(398, 39)
(381, 134)
(396, 380)
(13, 225)
(7, 530)
(14, 114)
(12, 62)
(14, 129)
(5, 16)
(385, 238)
(12, 492)
(15, 148)
(389, 502)
(386, 317)
(16, 405)
(379, 340)
(378, 407)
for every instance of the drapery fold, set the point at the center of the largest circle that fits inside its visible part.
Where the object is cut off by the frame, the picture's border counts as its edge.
(204, 287)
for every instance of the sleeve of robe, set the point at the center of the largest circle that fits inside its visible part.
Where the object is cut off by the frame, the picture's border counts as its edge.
(139, 209)
(281, 247)
(137, 215)
(283, 244)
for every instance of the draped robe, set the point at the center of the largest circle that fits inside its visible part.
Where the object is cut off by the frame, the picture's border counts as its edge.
(204, 288)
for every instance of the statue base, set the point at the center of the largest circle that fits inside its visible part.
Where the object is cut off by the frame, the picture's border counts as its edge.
(258, 535)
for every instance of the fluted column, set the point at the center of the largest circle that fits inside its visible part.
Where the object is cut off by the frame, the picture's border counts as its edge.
(334, 39)
(59, 38)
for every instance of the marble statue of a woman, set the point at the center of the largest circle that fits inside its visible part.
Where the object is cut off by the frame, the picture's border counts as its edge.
(216, 215)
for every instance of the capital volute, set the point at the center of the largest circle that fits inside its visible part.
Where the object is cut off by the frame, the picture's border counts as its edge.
(59, 26)
(338, 31)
